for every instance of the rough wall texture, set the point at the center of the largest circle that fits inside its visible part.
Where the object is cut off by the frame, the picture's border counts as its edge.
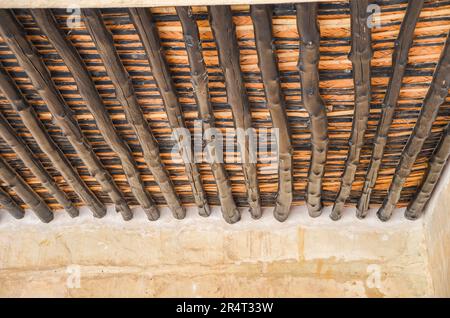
(437, 235)
(206, 257)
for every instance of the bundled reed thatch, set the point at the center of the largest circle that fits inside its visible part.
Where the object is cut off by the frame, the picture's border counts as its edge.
(203, 184)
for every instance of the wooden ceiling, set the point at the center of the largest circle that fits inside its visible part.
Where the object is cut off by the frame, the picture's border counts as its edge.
(88, 110)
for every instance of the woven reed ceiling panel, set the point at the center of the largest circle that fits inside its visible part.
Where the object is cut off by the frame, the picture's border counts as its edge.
(305, 180)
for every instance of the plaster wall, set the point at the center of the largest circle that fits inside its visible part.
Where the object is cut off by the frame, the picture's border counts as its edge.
(437, 235)
(205, 257)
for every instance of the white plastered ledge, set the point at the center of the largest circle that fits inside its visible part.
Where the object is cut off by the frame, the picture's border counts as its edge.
(206, 257)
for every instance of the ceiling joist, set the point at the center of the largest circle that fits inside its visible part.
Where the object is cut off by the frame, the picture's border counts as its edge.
(437, 163)
(262, 25)
(436, 95)
(25, 192)
(49, 147)
(33, 65)
(199, 80)
(148, 33)
(8, 134)
(86, 87)
(308, 66)
(399, 62)
(360, 55)
(7, 202)
(223, 28)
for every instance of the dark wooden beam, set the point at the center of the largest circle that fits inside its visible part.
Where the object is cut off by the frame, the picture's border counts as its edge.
(29, 59)
(126, 96)
(435, 97)
(221, 21)
(148, 33)
(48, 146)
(10, 205)
(399, 61)
(24, 191)
(435, 166)
(267, 61)
(308, 66)
(360, 55)
(8, 134)
(87, 89)
(199, 80)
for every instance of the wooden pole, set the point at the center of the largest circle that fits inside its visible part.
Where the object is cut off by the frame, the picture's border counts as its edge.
(148, 33)
(10, 205)
(308, 66)
(133, 111)
(399, 62)
(436, 95)
(8, 134)
(87, 89)
(360, 55)
(221, 21)
(436, 165)
(24, 191)
(30, 60)
(199, 80)
(48, 146)
(267, 61)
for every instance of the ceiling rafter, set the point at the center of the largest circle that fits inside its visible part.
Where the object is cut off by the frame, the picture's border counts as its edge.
(435, 97)
(8, 134)
(88, 91)
(199, 80)
(31, 121)
(399, 61)
(360, 55)
(437, 163)
(148, 33)
(7, 202)
(308, 66)
(267, 60)
(25, 192)
(127, 97)
(33, 65)
(223, 28)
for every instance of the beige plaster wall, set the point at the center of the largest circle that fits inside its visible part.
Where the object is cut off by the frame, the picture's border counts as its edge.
(437, 234)
(205, 257)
